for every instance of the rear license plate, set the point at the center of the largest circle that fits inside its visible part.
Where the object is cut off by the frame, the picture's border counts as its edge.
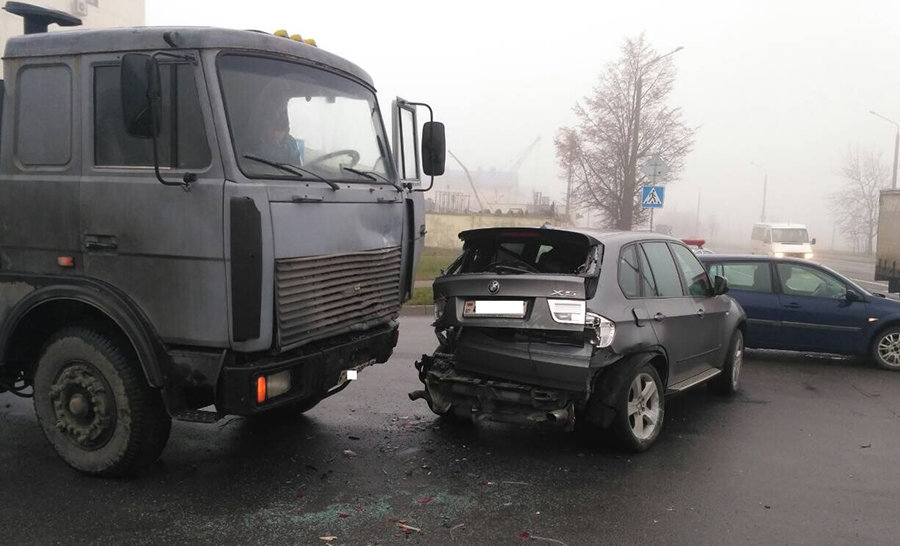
(494, 308)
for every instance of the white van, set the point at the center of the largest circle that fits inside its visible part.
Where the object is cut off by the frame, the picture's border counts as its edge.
(782, 240)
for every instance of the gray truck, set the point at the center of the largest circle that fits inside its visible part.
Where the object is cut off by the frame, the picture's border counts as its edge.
(195, 222)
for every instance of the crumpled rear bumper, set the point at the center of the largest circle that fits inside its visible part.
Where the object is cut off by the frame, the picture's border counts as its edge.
(484, 399)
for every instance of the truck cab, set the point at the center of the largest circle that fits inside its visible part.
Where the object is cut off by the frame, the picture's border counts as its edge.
(196, 222)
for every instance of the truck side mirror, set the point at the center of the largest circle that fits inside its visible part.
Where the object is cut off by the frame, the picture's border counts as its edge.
(140, 85)
(434, 148)
(813, 241)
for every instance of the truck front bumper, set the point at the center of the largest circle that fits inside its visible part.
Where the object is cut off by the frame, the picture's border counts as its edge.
(316, 371)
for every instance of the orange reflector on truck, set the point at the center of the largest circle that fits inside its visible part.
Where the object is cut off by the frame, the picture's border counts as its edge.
(260, 389)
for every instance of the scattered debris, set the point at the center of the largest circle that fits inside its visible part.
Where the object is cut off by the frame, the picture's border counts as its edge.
(426, 500)
(515, 483)
(353, 437)
(408, 528)
(529, 536)
(328, 538)
(349, 453)
(343, 515)
(865, 446)
(767, 507)
(524, 534)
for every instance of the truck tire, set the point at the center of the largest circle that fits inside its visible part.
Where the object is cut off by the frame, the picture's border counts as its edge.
(728, 381)
(640, 408)
(885, 350)
(95, 407)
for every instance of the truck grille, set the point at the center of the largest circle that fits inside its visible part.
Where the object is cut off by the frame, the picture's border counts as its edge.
(323, 295)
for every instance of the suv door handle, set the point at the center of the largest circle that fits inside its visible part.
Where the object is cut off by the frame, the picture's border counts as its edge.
(659, 317)
(700, 312)
(792, 305)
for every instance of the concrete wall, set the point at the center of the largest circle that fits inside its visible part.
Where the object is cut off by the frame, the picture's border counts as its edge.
(93, 14)
(443, 229)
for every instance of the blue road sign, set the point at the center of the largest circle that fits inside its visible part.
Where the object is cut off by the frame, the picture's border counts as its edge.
(652, 197)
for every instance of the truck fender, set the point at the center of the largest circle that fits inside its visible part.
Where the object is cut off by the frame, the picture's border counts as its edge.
(107, 301)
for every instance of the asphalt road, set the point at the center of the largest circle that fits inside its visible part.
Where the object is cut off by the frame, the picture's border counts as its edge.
(805, 453)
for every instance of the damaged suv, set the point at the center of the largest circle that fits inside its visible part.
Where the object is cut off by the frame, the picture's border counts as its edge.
(558, 326)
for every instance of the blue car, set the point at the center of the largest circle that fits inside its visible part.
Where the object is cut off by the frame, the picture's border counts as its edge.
(798, 305)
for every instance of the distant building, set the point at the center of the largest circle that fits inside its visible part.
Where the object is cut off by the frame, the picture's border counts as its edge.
(93, 14)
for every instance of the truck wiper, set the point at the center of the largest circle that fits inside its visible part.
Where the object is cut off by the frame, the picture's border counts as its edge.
(372, 175)
(293, 169)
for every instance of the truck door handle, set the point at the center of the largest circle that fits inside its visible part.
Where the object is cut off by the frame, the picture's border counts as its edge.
(659, 317)
(100, 242)
(792, 305)
(700, 312)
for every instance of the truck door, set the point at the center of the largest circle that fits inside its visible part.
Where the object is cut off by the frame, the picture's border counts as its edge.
(40, 163)
(407, 160)
(160, 245)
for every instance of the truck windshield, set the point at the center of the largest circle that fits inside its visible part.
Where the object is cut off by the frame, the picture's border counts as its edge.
(790, 235)
(281, 112)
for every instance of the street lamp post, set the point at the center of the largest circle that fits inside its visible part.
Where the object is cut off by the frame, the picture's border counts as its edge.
(631, 172)
(896, 146)
(762, 216)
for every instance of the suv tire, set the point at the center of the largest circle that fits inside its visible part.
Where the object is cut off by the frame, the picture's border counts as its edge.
(640, 409)
(95, 407)
(728, 381)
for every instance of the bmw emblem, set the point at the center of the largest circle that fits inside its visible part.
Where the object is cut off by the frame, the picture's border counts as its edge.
(494, 287)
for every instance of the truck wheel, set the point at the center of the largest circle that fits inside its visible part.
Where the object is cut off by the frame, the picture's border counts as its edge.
(640, 408)
(95, 407)
(727, 382)
(886, 349)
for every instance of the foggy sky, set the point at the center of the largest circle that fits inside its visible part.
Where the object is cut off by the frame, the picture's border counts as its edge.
(785, 84)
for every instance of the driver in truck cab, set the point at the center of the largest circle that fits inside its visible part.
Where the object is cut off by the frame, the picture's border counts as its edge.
(273, 138)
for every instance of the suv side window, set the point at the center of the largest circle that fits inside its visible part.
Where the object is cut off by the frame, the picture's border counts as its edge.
(692, 273)
(662, 266)
(747, 276)
(629, 272)
(182, 139)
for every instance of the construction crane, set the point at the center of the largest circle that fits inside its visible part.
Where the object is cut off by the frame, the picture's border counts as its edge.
(471, 182)
(518, 163)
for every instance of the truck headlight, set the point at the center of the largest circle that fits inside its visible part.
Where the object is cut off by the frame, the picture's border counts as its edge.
(604, 330)
(779, 254)
(567, 311)
(439, 305)
(809, 255)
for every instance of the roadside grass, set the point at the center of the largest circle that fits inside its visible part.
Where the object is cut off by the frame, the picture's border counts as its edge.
(421, 296)
(433, 261)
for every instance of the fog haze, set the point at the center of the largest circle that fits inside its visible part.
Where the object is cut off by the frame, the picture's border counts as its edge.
(786, 86)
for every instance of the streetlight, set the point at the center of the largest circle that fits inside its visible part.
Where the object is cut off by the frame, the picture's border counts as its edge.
(631, 172)
(896, 146)
(762, 217)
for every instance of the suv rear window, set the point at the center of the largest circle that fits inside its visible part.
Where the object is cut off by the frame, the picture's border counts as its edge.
(526, 252)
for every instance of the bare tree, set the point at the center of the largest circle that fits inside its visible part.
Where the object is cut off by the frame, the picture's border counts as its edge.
(855, 205)
(600, 151)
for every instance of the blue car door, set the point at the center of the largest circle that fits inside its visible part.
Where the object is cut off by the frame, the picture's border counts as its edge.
(816, 314)
(750, 283)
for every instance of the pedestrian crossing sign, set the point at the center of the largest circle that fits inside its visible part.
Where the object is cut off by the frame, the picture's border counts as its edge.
(652, 197)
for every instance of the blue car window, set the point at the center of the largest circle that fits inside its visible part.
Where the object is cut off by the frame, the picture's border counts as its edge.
(751, 277)
(799, 280)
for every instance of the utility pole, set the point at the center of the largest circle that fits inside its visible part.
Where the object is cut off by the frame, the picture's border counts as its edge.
(896, 146)
(569, 197)
(627, 219)
(762, 216)
(697, 221)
